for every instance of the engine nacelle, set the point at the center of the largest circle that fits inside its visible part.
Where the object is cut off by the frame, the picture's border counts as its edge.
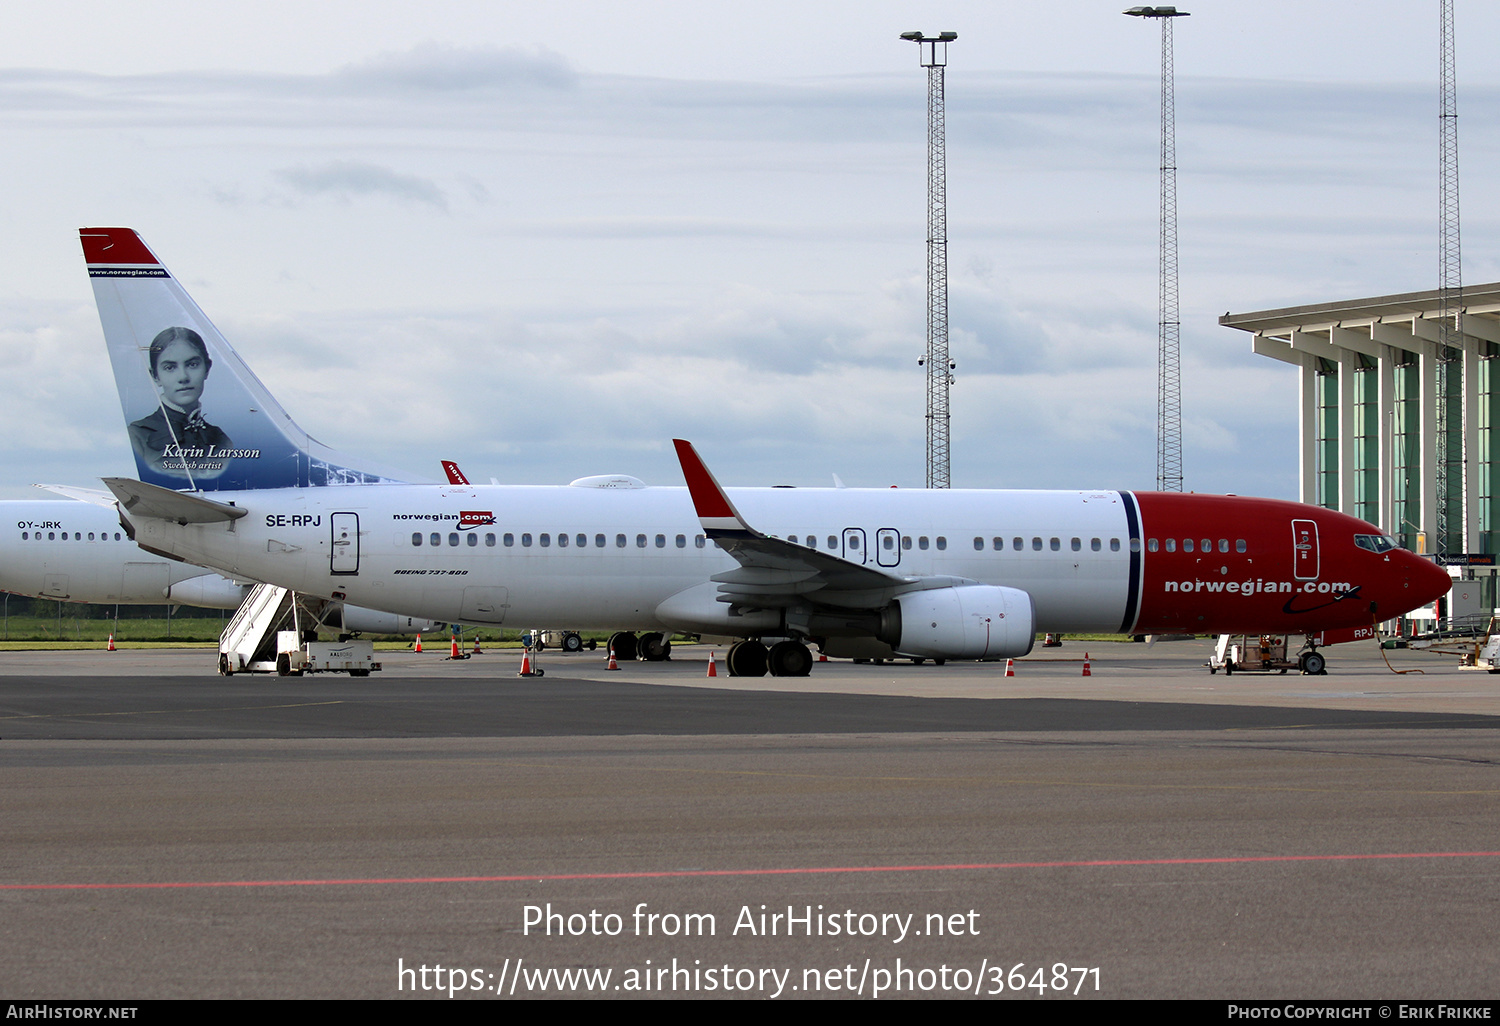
(358, 620)
(209, 591)
(975, 621)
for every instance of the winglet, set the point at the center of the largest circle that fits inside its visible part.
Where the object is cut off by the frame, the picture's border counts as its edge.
(455, 476)
(714, 509)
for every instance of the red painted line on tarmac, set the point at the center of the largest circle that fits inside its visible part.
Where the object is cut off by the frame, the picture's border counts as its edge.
(805, 871)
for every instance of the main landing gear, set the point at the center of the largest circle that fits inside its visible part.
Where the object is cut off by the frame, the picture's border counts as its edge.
(653, 647)
(783, 659)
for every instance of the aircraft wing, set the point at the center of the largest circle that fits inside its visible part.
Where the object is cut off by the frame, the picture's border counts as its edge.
(94, 495)
(775, 572)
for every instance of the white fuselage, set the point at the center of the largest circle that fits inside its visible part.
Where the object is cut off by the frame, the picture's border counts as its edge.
(79, 552)
(425, 550)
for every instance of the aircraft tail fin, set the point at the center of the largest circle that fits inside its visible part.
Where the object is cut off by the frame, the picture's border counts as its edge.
(199, 419)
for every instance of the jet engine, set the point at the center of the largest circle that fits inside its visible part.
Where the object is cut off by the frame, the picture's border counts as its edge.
(358, 620)
(974, 621)
(209, 591)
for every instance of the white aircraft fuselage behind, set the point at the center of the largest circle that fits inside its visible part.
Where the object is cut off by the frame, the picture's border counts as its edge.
(78, 552)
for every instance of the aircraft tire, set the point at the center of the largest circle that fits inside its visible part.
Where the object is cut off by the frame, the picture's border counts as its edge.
(746, 659)
(789, 659)
(624, 645)
(654, 648)
(1314, 665)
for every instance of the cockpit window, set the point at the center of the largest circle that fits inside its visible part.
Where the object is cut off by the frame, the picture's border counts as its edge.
(1374, 542)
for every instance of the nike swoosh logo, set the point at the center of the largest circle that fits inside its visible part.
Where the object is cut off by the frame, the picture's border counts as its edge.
(1340, 597)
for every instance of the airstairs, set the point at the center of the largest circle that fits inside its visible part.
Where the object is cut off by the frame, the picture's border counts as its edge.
(275, 630)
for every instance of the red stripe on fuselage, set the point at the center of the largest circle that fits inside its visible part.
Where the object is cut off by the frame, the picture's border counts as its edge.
(1258, 591)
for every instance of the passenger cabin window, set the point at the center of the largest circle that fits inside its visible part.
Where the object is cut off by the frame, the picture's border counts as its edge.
(661, 541)
(562, 541)
(1114, 545)
(1036, 545)
(525, 541)
(681, 541)
(833, 541)
(1239, 545)
(598, 541)
(998, 544)
(922, 542)
(640, 541)
(582, 541)
(509, 540)
(416, 539)
(699, 541)
(978, 544)
(435, 539)
(1056, 545)
(1095, 546)
(1018, 544)
(1077, 545)
(473, 539)
(619, 541)
(489, 540)
(1171, 544)
(942, 543)
(1187, 545)
(906, 541)
(545, 540)
(1223, 544)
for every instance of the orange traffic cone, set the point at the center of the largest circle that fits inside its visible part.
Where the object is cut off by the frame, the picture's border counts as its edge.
(612, 664)
(713, 667)
(111, 646)
(1010, 667)
(454, 653)
(822, 657)
(418, 647)
(477, 650)
(526, 664)
(1086, 671)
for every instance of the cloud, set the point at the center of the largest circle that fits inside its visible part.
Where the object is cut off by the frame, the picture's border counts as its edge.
(345, 179)
(440, 68)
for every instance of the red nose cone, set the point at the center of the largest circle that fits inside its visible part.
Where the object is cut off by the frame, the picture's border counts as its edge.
(1429, 582)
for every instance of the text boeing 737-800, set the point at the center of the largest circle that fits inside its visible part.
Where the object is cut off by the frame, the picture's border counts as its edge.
(228, 480)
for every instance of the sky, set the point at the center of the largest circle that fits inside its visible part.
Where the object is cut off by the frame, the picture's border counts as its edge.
(545, 239)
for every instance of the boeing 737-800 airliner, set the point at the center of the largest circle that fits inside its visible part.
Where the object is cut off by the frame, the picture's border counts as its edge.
(228, 480)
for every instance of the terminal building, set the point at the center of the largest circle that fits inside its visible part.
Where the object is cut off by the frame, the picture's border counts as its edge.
(1369, 420)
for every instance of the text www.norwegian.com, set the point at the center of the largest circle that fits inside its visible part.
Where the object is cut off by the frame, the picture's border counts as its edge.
(867, 979)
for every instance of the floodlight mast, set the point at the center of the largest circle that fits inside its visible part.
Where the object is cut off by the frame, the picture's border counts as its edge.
(1450, 459)
(934, 57)
(1169, 326)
